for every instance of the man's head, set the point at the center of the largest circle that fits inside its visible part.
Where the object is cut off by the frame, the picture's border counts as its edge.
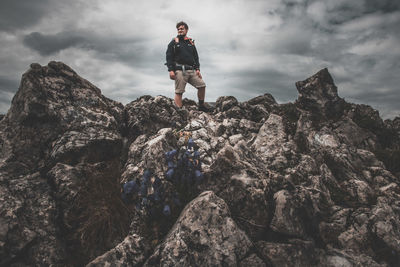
(182, 28)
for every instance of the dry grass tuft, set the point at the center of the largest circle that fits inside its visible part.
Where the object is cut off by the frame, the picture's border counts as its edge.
(98, 217)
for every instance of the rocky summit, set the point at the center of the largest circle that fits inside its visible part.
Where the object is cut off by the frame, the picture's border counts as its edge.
(310, 183)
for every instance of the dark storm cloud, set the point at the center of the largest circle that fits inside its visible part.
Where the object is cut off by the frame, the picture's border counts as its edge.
(386, 6)
(110, 48)
(8, 84)
(16, 14)
(279, 84)
(347, 11)
(128, 50)
(8, 87)
(391, 98)
(293, 40)
(50, 44)
(334, 12)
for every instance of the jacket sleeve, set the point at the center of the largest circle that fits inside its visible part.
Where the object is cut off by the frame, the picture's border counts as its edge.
(196, 59)
(170, 55)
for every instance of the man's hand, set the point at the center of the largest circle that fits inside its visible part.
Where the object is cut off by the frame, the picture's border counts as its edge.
(199, 74)
(172, 75)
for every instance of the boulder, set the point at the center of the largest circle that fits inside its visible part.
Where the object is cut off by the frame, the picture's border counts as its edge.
(204, 235)
(130, 252)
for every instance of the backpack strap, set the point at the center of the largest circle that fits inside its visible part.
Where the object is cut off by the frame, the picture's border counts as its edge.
(176, 39)
(191, 41)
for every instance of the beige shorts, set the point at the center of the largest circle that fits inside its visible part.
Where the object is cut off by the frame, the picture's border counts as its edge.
(189, 76)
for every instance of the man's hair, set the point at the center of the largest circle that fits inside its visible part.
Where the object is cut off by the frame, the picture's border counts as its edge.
(182, 23)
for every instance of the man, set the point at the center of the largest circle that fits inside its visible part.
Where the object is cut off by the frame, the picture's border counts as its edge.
(184, 67)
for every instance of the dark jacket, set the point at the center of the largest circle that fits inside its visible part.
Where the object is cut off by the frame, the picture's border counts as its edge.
(183, 52)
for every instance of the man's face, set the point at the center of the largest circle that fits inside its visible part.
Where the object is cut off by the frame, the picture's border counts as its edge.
(182, 30)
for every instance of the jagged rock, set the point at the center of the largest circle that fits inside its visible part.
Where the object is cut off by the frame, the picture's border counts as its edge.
(393, 124)
(319, 94)
(366, 117)
(294, 253)
(243, 187)
(315, 182)
(319, 87)
(334, 258)
(267, 100)
(130, 252)
(252, 260)
(159, 112)
(270, 138)
(147, 153)
(225, 103)
(260, 107)
(335, 225)
(349, 133)
(287, 218)
(27, 221)
(58, 117)
(384, 226)
(204, 235)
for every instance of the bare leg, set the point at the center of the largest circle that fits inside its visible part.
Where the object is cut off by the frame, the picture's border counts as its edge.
(178, 100)
(201, 93)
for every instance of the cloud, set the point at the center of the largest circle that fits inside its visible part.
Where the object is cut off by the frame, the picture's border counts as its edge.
(6, 83)
(17, 14)
(132, 51)
(330, 13)
(50, 44)
(385, 6)
(6, 94)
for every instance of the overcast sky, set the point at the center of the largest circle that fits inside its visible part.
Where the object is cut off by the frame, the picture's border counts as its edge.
(246, 48)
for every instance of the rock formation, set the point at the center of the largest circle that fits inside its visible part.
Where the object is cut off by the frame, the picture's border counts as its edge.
(310, 183)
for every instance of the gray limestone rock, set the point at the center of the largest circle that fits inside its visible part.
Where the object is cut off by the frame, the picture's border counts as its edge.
(294, 253)
(59, 135)
(315, 182)
(130, 252)
(204, 235)
(318, 94)
(287, 218)
(252, 260)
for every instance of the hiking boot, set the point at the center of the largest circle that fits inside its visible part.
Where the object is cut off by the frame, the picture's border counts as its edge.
(182, 111)
(204, 108)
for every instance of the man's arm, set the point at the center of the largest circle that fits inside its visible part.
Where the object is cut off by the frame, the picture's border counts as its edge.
(196, 59)
(170, 55)
(196, 62)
